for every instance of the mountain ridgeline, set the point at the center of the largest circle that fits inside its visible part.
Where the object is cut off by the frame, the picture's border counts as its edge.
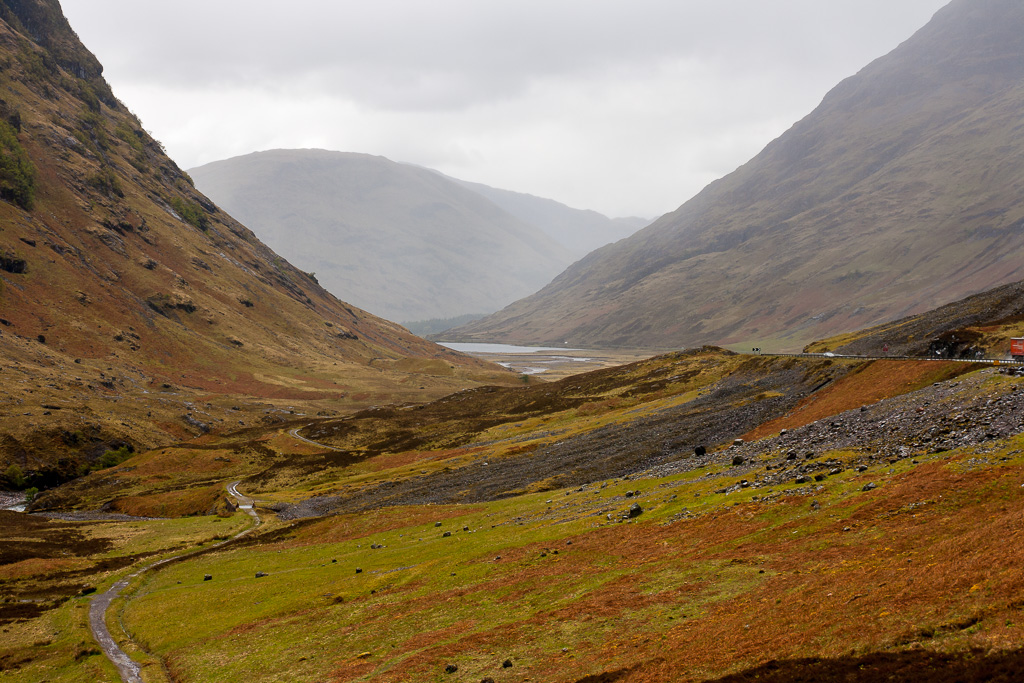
(403, 241)
(119, 280)
(899, 193)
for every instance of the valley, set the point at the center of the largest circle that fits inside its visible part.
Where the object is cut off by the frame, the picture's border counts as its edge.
(214, 468)
(550, 363)
(571, 528)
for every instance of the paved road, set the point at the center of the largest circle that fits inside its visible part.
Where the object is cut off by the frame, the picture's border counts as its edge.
(982, 361)
(295, 434)
(129, 669)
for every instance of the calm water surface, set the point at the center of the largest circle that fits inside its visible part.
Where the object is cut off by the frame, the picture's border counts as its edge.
(501, 348)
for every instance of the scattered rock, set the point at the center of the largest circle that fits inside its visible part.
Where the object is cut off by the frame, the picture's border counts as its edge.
(507, 664)
(207, 577)
(451, 668)
(635, 510)
(260, 575)
(738, 460)
(869, 486)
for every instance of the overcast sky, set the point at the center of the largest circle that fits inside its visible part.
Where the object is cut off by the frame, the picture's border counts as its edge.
(627, 108)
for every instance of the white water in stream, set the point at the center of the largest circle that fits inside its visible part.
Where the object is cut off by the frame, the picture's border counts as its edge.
(12, 500)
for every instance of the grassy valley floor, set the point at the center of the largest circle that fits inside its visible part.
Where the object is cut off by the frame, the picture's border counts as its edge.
(862, 531)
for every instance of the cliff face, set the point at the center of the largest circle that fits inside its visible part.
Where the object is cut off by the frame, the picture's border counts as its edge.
(118, 280)
(899, 193)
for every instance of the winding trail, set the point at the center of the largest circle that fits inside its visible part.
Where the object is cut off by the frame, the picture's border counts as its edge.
(294, 433)
(130, 670)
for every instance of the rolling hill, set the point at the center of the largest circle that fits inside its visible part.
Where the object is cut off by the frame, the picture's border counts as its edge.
(899, 193)
(399, 240)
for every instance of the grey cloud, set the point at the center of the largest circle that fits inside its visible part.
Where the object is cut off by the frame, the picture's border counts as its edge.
(612, 105)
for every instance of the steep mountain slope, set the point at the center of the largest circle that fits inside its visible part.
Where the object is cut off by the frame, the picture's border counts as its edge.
(979, 325)
(899, 193)
(401, 241)
(580, 231)
(129, 302)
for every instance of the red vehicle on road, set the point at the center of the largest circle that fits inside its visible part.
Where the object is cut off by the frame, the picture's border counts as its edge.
(1017, 348)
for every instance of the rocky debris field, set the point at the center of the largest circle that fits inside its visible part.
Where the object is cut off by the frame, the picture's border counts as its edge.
(723, 411)
(966, 412)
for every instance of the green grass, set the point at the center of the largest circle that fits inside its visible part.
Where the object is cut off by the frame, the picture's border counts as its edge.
(313, 602)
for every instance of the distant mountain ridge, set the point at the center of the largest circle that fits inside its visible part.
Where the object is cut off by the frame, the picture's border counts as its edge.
(580, 231)
(899, 193)
(402, 241)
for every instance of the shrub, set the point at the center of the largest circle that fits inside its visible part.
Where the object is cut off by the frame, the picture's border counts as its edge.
(113, 457)
(17, 172)
(91, 122)
(15, 476)
(191, 213)
(133, 137)
(106, 181)
(88, 96)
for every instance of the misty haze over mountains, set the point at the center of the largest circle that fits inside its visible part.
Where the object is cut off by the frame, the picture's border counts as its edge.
(402, 241)
(900, 192)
